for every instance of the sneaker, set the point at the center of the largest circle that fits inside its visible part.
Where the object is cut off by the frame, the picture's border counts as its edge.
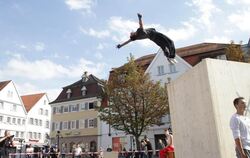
(172, 60)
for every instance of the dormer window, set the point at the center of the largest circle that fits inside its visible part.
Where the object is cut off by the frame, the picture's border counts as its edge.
(69, 92)
(84, 91)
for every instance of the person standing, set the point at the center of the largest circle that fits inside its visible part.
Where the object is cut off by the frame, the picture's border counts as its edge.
(240, 126)
(7, 144)
(149, 147)
(168, 151)
(78, 151)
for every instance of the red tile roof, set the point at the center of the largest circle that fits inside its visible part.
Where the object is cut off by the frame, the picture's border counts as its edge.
(3, 84)
(30, 100)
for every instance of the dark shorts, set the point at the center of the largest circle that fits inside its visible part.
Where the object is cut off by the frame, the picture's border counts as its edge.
(247, 152)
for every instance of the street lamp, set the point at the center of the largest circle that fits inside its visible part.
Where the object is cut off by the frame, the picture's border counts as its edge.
(58, 138)
(21, 147)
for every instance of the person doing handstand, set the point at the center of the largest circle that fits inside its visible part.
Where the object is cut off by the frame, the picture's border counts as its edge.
(165, 43)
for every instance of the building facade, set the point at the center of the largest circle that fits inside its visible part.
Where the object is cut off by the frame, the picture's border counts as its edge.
(38, 118)
(74, 117)
(12, 112)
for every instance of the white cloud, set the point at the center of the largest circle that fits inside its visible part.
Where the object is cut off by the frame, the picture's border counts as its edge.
(240, 20)
(205, 11)
(94, 33)
(241, 2)
(46, 69)
(98, 55)
(39, 46)
(84, 5)
(218, 39)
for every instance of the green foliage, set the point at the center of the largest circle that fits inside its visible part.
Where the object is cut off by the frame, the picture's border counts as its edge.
(135, 102)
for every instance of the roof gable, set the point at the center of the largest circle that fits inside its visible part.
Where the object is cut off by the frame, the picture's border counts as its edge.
(30, 100)
(93, 87)
(3, 84)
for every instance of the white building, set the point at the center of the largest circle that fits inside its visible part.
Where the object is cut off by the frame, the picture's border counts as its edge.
(12, 111)
(38, 118)
(159, 69)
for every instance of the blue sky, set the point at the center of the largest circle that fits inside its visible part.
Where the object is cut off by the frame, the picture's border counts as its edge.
(48, 44)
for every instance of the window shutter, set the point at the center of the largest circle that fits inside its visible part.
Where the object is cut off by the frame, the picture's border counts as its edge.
(86, 106)
(95, 104)
(86, 123)
(69, 125)
(95, 122)
(77, 107)
(54, 110)
(61, 125)
(77, 124)
(53, 126)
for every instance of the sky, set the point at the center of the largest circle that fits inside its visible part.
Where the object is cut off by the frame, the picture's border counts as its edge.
(48, 44)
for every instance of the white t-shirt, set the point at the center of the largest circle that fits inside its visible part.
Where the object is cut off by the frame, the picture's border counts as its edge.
(240, 126)
(78, 151)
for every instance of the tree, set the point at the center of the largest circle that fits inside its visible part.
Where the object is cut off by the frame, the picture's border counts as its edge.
(234, 52)
(135, 102)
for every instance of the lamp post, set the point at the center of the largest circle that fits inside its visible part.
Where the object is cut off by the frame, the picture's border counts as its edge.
(21, 147)
(58, 137)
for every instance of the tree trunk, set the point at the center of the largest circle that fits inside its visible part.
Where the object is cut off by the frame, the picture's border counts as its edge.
(138, 147)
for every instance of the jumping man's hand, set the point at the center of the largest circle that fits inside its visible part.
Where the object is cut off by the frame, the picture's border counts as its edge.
(118, 46)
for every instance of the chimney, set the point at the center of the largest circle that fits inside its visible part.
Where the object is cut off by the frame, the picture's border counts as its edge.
(85, 76)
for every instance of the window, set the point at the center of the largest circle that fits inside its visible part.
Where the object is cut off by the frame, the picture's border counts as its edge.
(69, 92)
(57, 125)
(39, 135)
(91, 105)
(65, 125)
(23, 122)
(36, 121)
(14, 107)
(17, 134)
(172, 68)
(47, 112)
(1, 118)
(40, 123)
(84, 91)
(8, 119)
(41, 111)
(73, 124)
(31, 121)
(35, 135)
(47, 124)
(91, 123)
(22, 134)
(160, 70)
(73, 108)
(9, 94)
(65, 109)
(82, 123)
(1, 105)
(14, 120)
(30, 135)
(19, 121)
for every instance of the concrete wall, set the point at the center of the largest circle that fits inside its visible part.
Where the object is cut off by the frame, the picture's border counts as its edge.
(201, 107)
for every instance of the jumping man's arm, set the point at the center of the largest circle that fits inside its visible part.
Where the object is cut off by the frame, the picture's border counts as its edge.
(123, 44)
(140, 20)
